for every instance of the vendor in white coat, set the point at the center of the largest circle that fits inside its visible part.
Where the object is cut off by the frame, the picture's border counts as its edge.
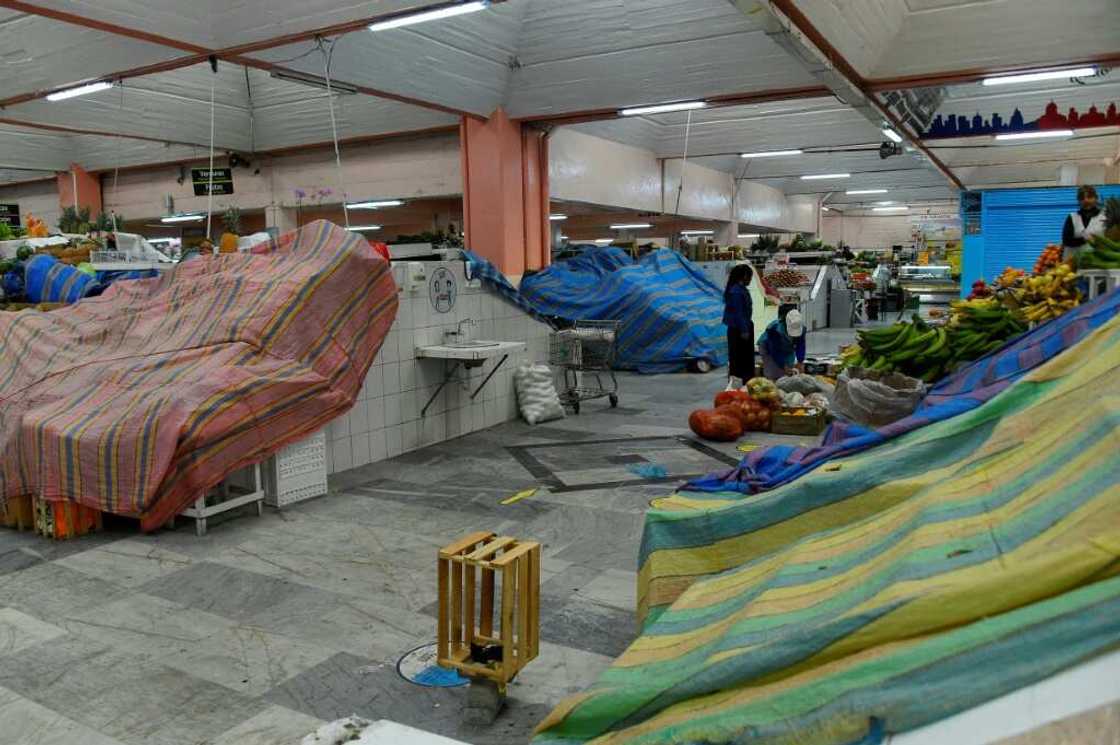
(1087, 221)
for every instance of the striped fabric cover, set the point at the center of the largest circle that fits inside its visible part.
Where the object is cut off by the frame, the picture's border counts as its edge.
(137, 401)
(962, 560)
(769, 467)
(670, 312)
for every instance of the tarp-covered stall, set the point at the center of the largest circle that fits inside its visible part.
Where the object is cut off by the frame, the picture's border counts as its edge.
(137, 401)
(959, 561)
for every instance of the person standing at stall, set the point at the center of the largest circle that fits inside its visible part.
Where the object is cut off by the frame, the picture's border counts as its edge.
(1079, 225)
(738, 316)
(782, 344)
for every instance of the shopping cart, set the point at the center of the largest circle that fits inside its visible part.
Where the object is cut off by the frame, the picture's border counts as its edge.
(584, 351)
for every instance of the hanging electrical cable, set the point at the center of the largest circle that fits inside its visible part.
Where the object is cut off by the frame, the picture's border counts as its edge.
(210, 170)
(684, 162)
(117, 168)
(327, 55)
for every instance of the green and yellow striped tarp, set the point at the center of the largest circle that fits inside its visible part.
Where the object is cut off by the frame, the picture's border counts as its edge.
(969, 558)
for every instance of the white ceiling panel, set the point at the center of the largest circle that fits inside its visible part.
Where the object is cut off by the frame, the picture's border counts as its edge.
(1017, 33)
(811, 163)
(1031, 100)
(562, 31)
(98, 153)
(38, 53)
(861, 30)
(15, 176)
(21, 147)
(308, 121)
(891, 180)
(677, 71)
(638, 131)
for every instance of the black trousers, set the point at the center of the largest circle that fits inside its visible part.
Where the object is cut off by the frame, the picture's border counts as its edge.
(740, 354)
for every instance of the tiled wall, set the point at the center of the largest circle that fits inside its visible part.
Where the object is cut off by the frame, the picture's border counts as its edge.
(386, 420)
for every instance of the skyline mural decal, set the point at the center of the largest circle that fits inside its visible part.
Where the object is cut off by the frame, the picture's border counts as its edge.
(958, 125)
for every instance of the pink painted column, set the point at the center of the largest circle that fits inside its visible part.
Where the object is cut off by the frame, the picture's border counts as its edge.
(89, 190)
(505, 192)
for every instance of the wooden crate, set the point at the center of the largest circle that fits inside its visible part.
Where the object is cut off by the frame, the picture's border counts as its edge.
(18, 513)
(63, 520)
(782, 423)
(479, 575)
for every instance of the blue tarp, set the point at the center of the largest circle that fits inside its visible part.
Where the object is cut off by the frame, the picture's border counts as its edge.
(47, 280)
(770, 467)
(670, 313)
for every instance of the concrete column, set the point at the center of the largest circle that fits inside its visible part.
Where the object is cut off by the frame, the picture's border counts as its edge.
(727, 234)
(505, 192)
(279, 219)
(76, 188)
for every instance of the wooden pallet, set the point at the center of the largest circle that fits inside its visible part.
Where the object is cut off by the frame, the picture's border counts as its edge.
(469, 570)
(57, 520)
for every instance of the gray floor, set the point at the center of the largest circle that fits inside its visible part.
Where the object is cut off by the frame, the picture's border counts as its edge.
(257, 632)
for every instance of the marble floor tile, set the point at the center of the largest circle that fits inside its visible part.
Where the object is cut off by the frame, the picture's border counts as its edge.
(347, 684)
(582, 624)
(556, 673)
(131, 562)
(124, 695)
(50, 590)
(614, 587)
(24, 722)
(20, 550)
(276, 725)
(19, 631)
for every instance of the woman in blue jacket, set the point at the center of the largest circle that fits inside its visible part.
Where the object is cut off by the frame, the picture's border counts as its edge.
(738, 312)
(782, 345)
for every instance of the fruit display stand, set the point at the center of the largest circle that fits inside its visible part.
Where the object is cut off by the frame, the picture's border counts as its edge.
(228, 495)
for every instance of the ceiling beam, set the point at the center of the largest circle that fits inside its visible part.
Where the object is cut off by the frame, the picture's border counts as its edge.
(849, 75)
(102, 133)
(718, 101)
(976, 74)
(233, 54)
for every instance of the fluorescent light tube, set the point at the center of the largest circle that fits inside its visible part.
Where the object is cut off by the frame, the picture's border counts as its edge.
(750, 235)
(1036, 135)
(826, 209)
(81, 90)
(889, 201)
(662, 108)
(315, 81)
(603, 240)
(632, 226)
(448, 11)
(183, 218)
(374, 205)
(1030, 77)
(889, 209)
(822, 176)
(866, 191)
(363, 228)
(891, 135)
(698, 232)
(557, 218)
(770, 153)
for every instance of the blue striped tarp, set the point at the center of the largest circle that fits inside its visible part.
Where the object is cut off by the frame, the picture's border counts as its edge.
(670, 313)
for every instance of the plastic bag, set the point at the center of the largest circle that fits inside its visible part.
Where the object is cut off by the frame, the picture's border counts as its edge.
(819, 401)
(536, 394)
(792, 399)
(764, 390)
(714, 425)
(873, 399)
(803, 384)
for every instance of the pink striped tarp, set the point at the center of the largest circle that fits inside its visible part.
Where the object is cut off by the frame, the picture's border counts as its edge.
(138, 401)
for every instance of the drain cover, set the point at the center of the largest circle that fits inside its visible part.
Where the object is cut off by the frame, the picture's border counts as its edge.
(419, 666)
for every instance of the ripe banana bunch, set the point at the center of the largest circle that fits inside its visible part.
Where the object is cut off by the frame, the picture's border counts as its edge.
(1050, 295)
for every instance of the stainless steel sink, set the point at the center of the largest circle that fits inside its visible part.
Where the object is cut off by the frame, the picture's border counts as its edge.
(471, 344)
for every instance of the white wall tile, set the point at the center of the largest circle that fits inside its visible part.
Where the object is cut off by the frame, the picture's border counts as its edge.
(408, 375)
(359, 447)
(375, 413)
(393, 410)
(378, 446)
(393, 441)
(373, 386)
(389, 351)
(406, 346)
(433, 429)
(391, 378)
(405, 315)
(410, 405)
(339, 428)
(410, 436)
(359, 424)
(343, 455)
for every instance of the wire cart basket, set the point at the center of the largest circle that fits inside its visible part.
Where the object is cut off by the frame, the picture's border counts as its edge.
(586, 351)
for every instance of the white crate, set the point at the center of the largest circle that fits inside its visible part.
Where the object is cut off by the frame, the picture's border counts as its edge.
(298, 472)
(1100, 281)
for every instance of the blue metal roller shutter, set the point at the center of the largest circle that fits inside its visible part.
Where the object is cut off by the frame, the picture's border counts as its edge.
(1018, 223)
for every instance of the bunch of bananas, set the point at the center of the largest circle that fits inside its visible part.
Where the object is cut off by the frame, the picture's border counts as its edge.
(1048, 296)
(1105, 254)
(915, 348)
(978, 327)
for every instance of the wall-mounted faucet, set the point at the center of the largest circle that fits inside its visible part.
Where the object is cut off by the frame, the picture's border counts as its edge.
(458, 332)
